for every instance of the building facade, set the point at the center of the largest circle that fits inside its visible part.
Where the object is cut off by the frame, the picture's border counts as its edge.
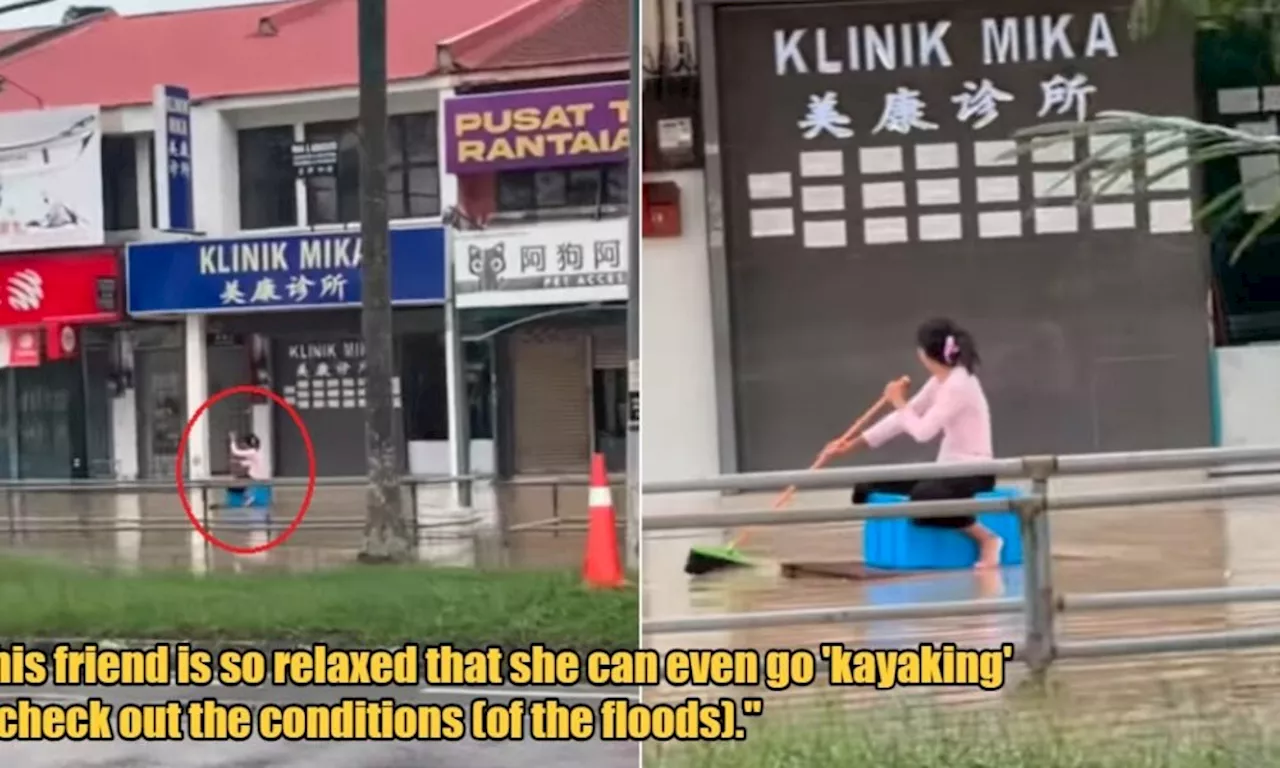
(231, 198)
(883, 186)
(540, 271)
(282, 311)
(61, 297)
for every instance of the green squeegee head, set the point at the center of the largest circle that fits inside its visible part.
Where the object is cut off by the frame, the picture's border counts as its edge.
(707, 559)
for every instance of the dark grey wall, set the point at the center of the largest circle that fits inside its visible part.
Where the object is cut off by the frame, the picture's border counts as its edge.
(1096, 340)
(322, 374)
(336, 422)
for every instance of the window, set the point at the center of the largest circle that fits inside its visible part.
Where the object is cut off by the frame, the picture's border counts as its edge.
(541, 190)
(267, 182)
(413, 167)
(609, 405)
(413, 171)
(479, 383)
(336, 200)
(120, 183)
(424, 387)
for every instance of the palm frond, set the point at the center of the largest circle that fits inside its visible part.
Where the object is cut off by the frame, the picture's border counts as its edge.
(1162, 146)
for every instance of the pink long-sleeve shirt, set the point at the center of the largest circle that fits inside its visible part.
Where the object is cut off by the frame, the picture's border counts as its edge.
(252, 460)
(955, 407)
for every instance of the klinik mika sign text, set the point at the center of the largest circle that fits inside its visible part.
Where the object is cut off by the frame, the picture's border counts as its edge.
(920, 44)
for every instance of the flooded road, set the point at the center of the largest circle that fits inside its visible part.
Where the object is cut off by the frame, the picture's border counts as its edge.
(527, 525)
(1235, 543)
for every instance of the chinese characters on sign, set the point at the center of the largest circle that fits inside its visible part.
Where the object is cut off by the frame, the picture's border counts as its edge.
(545, 265)
(328, 375)
(824, 115)
(571, 268)
(932, 159)
(173, 138)
(297, 289)
(328, 259)
(978, 105)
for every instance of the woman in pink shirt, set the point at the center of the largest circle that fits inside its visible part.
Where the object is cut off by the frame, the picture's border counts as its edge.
(951, 404)
(247, 455)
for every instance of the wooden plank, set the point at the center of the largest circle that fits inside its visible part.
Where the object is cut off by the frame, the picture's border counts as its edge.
(847, 570)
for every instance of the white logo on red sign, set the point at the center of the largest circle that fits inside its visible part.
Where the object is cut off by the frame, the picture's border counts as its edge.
(26, 290)
(26, 340)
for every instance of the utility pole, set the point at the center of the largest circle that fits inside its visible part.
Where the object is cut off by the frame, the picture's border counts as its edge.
(386, 532)
(633, 295)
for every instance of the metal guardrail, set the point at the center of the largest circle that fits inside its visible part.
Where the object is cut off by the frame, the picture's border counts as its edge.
(1040, 602)
(20, 523)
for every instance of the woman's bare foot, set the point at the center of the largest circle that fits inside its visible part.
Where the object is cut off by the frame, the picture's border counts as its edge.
(989, 553)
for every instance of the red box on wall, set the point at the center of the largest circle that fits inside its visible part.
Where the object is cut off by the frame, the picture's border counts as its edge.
(661, 203)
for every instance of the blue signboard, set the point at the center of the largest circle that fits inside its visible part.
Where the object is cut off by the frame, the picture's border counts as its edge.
(173, 139)
(251, 274)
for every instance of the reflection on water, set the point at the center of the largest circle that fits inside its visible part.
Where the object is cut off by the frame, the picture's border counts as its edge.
(77, 528)
(1170, 547)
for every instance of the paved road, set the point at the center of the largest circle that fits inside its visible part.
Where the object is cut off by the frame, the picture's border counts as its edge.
(257, 753)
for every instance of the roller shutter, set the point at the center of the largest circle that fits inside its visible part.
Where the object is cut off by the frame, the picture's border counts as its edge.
(551, 400)
(609, 346)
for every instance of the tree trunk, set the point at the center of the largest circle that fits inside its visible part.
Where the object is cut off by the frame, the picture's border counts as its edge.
(387, 536)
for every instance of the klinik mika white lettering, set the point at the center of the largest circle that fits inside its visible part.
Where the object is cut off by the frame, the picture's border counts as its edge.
(923, 44)
(316, 253)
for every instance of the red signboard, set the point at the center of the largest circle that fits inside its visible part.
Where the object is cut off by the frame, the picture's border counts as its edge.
(23, 349)
(70, 287)
(60, 341)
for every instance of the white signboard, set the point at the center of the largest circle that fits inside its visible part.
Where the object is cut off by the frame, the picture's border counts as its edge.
(51, 179)
(543, 264)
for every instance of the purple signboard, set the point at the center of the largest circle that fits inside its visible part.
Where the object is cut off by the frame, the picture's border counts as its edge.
(542, 128)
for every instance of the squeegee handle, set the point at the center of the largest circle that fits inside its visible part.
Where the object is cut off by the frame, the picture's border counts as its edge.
(820, 461)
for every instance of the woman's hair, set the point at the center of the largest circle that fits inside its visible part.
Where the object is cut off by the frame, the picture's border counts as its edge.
(251, 441)
(947, 343)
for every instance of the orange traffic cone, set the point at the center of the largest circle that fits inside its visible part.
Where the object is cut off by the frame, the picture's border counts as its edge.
(600, 564)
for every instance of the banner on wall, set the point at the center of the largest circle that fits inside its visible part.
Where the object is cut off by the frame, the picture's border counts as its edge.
(51, 176)
(288, 272)
(540, 265)
(539, 128)
(78, 287)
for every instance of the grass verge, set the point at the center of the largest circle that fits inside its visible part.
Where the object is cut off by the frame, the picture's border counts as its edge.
(366, 605)
(829, 738)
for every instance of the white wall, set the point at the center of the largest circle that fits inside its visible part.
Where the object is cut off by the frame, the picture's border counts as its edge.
(678, 437)
(1248, 395)
(219, 141)
(215, 151)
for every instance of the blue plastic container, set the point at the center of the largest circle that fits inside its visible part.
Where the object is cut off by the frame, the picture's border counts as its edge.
(897, 544)
(251, 496)
(251, 506)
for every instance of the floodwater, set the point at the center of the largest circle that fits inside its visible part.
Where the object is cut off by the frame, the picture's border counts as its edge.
(1195, 545)
(527, 525)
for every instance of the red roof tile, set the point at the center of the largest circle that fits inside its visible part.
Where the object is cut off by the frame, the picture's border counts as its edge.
(232, 51)
(543, 32)
(10, 36)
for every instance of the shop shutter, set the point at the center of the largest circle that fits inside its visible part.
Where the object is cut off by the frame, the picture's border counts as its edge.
(609, 346)
(551, 404)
